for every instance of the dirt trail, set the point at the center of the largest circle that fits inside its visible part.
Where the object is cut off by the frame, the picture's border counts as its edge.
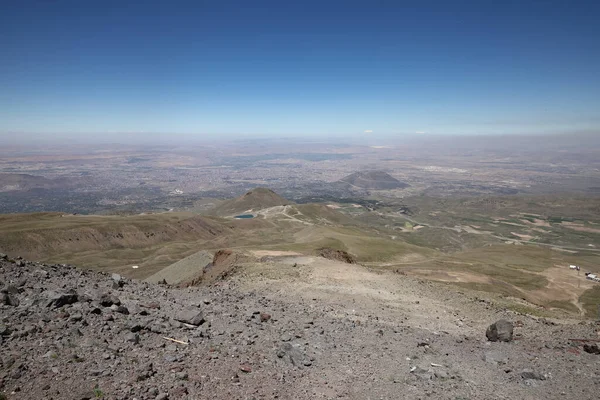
(281, 211)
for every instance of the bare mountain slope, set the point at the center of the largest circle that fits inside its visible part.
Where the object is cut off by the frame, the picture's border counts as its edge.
(290, 328)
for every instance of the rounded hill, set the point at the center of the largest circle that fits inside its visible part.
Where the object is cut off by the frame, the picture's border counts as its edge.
(373, 180)
(254, 200)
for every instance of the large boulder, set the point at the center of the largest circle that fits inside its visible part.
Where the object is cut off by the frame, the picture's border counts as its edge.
(500, 331)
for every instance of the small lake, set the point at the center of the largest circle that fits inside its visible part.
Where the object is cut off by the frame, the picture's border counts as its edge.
(244, 216)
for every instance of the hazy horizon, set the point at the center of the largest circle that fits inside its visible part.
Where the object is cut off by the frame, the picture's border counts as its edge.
(156, 71)
(588, 141)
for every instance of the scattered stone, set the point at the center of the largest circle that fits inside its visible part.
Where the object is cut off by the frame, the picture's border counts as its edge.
(529, 374)
(50, 354)
(151, 305)
(190, 316)
(291, 353)
(182, 376)
(441, 374)
(107, 300)
(78, 342)
(120, 309)
(76, 317)
(132, 338)
(245, 368)
(264, 317)
(286, 337)
(118, 279)
(9, 299)
(58, 300)
(10, 289)
(591, 348)
(500, 331)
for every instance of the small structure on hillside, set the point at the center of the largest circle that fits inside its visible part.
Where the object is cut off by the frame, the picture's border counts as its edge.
(575, 267)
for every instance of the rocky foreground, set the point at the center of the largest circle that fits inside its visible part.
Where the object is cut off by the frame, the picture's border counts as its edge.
(66, 333)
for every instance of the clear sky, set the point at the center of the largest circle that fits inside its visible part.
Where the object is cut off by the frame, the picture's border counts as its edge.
(292, 68)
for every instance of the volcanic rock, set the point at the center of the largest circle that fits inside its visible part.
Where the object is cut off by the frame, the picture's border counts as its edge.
(500, 331)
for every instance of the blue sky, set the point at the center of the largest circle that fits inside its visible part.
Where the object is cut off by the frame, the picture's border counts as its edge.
(307, 68)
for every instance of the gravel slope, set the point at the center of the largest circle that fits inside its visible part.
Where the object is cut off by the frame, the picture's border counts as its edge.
(319, 329)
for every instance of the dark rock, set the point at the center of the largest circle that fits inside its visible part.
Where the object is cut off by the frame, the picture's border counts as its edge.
(4, 330)
(591, 348)
(96, 310)
(9, 299)
(10, 289)
(190, 316)
(500, 331)
(58, 300)
(107, 300)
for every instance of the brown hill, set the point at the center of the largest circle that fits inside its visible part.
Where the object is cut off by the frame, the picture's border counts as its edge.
(42, 235)
(373, 180)
(256, 199)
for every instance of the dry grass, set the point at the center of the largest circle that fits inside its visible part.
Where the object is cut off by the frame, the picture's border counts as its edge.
(590, 300)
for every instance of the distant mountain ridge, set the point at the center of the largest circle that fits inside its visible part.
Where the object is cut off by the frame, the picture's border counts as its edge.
(14, 182)
(373, 180)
